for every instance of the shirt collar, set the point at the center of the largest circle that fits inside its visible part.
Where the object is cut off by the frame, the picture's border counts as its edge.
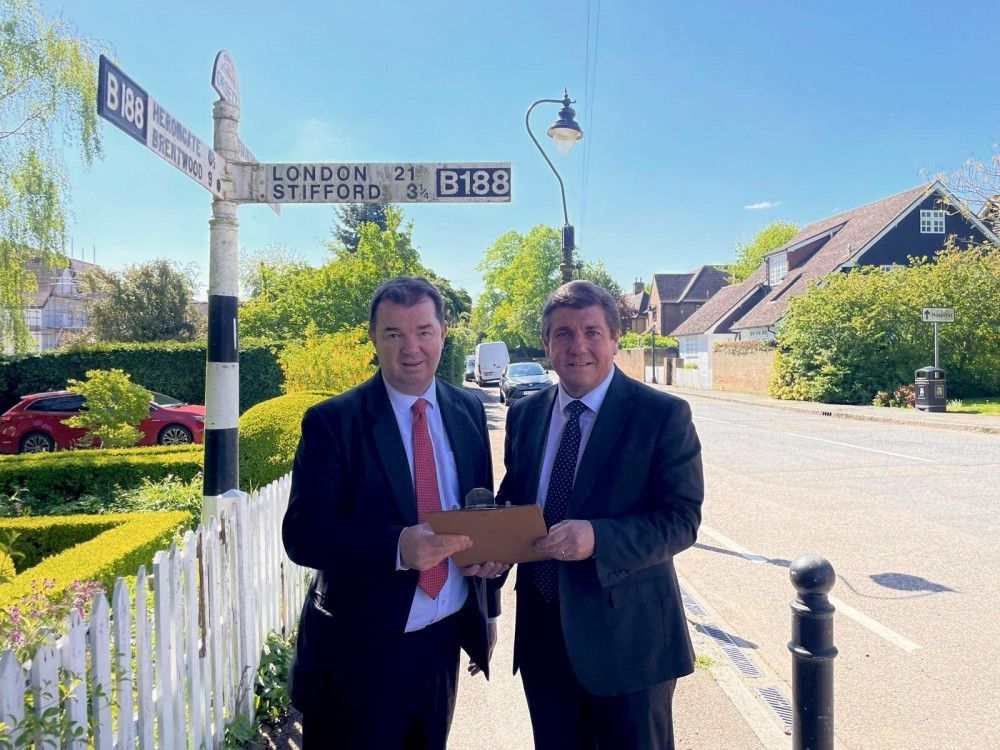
(592, 400)
(403, 402)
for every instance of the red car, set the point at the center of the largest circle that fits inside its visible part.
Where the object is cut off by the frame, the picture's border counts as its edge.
(34, 424)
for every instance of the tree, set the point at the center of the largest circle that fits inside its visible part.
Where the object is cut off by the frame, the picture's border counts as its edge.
(977, 185)
(596, 272)
(349, 217)
(146, 302)
(261, 270)
(519, 272)
(749, 255)
(328, 362)
(115, 405)
(48, 91)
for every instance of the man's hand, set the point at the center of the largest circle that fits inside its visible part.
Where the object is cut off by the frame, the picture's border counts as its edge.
(491, 641)
(485, 570)
(421, 549)
(568, 540)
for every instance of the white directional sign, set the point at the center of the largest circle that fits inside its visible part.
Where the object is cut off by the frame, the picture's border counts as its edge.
(938, 314)
(224, 78)
(124, 103)
(386, 183)
(246, 155)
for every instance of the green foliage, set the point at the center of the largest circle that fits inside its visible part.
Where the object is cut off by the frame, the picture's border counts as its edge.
(632, 340)
(28, 623)
(177, 369)
(48, 90)
(902, 397)
(271, 697)
(269, 435)
(348, 218)
(746, 346)
(458, 342)
(749, 255)
(125, 542)
(327, 362)
(42, 482)
(861, 333)
(519, 272)
(146, 302)
(115, 405)
(261, 269)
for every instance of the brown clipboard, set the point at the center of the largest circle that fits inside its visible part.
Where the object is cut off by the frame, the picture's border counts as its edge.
(504, 535)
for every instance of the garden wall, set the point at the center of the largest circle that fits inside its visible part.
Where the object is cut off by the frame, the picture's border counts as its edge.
(742, 371)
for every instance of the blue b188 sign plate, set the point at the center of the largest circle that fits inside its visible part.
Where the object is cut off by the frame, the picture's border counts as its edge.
(122, 101)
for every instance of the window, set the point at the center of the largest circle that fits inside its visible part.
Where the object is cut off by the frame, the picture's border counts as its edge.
(931, 222)
(777, 268)
(890, 266)
(690, 347)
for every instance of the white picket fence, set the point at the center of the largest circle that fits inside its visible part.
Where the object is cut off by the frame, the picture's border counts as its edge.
(199, 623)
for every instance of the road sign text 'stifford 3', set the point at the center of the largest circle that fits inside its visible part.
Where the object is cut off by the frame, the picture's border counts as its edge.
(387, 183)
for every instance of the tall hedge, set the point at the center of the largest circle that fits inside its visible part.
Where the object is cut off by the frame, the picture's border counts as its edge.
(177, 369)
(458, 342)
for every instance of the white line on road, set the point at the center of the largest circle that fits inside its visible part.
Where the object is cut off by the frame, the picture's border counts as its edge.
(862, 448)
(709, 419)
(845, 609)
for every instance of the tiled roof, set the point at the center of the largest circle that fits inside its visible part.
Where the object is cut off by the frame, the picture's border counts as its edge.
(640, 302)
(860, 226)
(718, 305)
(46, 279)
(670, 286)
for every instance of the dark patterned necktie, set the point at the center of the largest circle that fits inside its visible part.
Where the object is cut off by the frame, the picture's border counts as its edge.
(557, 495)
(425, 485)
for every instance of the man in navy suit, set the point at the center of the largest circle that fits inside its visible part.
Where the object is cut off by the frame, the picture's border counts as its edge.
(376, 660)
(601, 635)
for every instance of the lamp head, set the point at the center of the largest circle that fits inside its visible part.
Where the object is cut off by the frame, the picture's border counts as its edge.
(565, 131)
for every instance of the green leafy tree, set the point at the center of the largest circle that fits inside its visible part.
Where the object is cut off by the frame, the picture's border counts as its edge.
(519, 272)
(146, 302)
(115, 405)
(263, 271)
(749, 255)
(596, 272)
(329, 362)
(348, 218)
(48, 93)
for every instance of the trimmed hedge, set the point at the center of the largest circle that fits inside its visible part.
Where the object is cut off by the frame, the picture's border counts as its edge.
(269, 435)
(458, 342)
(121, 543)
(174, 368)
(55, 477)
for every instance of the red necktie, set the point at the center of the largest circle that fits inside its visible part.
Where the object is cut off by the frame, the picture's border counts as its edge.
(425, 484)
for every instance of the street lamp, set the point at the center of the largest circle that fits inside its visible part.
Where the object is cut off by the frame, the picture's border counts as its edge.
(652, 349)
(564, 132)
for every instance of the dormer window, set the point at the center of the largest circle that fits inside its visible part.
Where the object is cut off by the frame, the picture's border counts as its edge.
(931, 222)
(777, 269)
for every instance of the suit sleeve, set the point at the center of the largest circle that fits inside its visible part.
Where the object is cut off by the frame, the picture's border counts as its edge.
(675, 488)
(316, 531)
(492, 584)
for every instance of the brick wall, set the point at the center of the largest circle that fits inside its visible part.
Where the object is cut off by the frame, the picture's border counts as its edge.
(746, 372)
(638, 364)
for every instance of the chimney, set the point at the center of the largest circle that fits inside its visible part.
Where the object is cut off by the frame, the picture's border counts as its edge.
(637, 286)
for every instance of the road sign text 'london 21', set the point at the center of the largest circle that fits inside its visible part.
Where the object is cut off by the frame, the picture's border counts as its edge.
(387, 183)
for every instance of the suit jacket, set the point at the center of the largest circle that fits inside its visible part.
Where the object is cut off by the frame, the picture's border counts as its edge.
(351, 497)
(640, 484)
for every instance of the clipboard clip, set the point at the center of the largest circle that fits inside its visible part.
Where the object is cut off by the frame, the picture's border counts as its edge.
(480, 498)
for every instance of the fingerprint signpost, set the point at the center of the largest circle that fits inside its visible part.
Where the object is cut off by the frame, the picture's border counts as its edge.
(230, 171)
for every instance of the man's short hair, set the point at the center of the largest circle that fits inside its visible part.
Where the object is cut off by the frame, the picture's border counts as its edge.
(577, 295)
(406, 291)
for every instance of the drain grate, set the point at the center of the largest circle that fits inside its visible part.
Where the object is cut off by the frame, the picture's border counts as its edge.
(691, 604)
(733, 652)
(778, 703)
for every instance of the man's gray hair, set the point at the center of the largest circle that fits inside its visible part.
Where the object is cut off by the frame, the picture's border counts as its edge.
(577, 295)
(406, 291)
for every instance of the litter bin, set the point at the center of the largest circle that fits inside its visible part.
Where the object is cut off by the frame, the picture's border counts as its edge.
(931, 389)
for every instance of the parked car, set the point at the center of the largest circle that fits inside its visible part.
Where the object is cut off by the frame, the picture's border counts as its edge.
(520, 379)
(470, 367)
(34, 424)
(491, 358)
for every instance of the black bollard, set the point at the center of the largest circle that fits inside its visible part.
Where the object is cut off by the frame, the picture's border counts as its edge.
(813, 653)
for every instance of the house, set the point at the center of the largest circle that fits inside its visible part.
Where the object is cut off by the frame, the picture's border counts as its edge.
(675, 296)
(56, 307)
(640, 301)
(885, 233)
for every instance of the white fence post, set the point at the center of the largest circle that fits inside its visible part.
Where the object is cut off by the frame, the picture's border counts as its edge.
(99, 641)
(120, 624)
(143, 665)
(74, 662)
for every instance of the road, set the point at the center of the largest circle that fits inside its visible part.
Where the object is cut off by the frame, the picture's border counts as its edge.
(909, 518)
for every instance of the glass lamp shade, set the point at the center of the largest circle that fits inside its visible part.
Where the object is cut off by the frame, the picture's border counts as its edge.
(564, 139)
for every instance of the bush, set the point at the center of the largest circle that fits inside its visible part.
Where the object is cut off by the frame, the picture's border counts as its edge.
(631, 340)
(43, 480)
(327, 362)
(458, 342)
(269, 435)
(746, 346)
(177, 369)
(115, 405)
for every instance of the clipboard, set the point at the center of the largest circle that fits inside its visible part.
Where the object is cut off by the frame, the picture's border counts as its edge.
(504, 535)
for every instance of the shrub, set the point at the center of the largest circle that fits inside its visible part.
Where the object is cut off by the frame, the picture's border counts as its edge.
(458, 342)
(631, 340)
(327, 362)
(269, 434)
(746, 346)
(115, 405)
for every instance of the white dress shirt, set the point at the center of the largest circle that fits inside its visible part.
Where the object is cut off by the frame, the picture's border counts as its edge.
(592, 401)
(425, 611)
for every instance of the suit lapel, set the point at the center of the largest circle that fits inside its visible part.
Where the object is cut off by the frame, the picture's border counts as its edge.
(616, 410)
(536, 427)
(389, 444)
(463, 437)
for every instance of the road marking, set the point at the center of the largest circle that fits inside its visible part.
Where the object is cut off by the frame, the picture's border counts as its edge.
(709, 419)
(874, 625)
(862, 448)
(859, 617)
(727, 542)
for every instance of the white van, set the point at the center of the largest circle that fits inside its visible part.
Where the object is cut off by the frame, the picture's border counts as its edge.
(491, 358)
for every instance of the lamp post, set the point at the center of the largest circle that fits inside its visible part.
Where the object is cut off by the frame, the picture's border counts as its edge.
(652, 350)
(564, 132)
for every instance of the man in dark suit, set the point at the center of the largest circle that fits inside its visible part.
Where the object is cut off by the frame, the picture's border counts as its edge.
(616, 466)
(376, 660)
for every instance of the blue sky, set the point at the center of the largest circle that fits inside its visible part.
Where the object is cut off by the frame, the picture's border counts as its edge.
(692, 112)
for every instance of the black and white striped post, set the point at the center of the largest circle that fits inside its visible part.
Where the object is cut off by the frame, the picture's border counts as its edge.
(222, 370)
